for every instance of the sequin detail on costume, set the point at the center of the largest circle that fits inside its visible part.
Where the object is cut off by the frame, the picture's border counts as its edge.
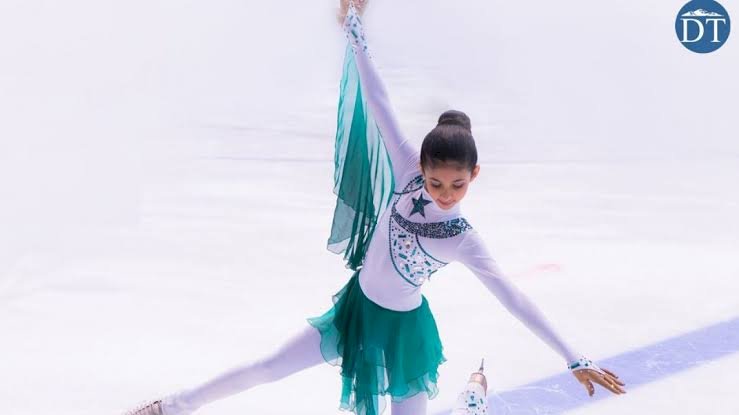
(409, 258)
(411, 261)
(354, 30)
(416, 183)
(475, 403)
(436, 230)
(418, 205)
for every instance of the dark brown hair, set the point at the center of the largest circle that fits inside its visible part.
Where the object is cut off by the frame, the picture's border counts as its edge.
(450, 141)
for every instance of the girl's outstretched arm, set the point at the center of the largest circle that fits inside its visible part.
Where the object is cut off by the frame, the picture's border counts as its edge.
(473, 253)
(403, 156)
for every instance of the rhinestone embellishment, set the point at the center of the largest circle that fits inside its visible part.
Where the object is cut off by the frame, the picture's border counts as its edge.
(354, 31)
(411, 261)
(409, 257)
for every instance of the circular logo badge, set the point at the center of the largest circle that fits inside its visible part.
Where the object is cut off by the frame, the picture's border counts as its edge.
(703, 26)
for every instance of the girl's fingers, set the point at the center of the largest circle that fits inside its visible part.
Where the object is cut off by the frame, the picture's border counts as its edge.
(611, 386)
(613, 377)
(609, 372)
(588, 376)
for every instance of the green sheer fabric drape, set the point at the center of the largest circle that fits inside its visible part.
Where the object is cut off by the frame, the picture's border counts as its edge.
(363, 178)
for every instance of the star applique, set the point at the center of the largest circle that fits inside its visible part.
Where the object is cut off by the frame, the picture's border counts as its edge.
(418, 205)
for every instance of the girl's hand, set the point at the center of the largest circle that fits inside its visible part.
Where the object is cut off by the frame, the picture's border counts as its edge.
(606, 378)
(344, 7)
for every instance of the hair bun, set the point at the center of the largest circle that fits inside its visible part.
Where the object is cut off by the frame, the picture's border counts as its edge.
(454, 117)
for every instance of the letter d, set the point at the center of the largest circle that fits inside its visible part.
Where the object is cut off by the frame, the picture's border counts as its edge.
(685, 30)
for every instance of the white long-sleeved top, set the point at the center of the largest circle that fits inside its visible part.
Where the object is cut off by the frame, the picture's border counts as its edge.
(415, 236)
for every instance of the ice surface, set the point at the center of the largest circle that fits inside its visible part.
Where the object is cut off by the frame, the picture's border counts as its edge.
(165, 170)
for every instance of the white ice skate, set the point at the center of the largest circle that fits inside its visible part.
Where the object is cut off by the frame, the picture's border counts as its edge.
(151, 407)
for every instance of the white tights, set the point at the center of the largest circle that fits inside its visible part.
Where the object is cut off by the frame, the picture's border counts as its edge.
(299, 352)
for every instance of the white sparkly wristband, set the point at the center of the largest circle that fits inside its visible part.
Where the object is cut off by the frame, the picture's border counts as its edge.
(584, 363)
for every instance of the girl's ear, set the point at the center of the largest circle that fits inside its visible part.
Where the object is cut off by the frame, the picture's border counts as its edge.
(475, 172)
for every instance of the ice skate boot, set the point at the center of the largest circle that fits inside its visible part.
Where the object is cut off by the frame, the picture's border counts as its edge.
(151, 407)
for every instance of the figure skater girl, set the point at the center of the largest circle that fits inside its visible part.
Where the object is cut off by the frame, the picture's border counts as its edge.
(397, 221)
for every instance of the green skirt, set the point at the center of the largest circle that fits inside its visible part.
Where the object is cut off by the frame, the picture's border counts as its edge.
(380, 351)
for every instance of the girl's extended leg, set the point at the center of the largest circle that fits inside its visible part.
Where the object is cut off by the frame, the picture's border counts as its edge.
(299, 352)
(415, 405)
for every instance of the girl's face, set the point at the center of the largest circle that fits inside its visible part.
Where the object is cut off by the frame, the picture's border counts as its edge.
(447, 183)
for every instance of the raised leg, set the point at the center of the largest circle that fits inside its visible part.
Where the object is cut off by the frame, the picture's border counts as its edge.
(415, 405)
(299, 352)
